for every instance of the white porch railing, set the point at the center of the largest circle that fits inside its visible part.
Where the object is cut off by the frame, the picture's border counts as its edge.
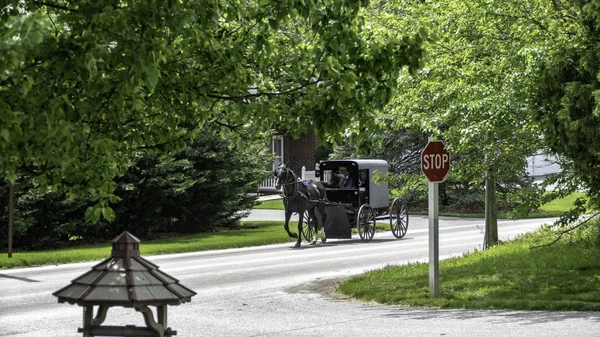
(268, 185)
(308, 175)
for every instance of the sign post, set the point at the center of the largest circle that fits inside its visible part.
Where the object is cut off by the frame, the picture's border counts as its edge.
(435, 164)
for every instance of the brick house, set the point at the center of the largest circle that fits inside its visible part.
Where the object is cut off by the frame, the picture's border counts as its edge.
(296, 153)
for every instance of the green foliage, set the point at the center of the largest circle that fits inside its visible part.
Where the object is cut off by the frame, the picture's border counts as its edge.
(568, 94)
(503, 80)
(201, 189)
(473, 89)
(198, 190)
(85, 85)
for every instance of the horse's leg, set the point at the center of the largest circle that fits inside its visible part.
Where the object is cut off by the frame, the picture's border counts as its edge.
(315, 222)
(300, 220)
(288, 216)
(323, 220)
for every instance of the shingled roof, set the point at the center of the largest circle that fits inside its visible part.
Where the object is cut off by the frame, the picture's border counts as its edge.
(125, 279)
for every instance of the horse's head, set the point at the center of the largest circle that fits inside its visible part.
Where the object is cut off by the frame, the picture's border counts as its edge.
(281, 176)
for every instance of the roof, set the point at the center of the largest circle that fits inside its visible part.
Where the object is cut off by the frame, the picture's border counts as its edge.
(362, 163)
(542, 165)
(125, 279)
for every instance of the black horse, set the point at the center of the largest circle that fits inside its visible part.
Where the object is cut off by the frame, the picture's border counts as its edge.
(298, 197)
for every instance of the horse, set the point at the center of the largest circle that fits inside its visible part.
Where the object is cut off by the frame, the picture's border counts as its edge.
(298, 197)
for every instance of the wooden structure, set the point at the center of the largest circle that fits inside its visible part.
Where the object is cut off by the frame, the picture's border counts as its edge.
(127, 280)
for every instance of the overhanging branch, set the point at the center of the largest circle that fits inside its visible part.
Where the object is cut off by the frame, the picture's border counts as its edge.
(567, 231)
(241, 98)
(56, 6)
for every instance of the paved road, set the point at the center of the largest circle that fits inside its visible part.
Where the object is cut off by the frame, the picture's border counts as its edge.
(275, 290)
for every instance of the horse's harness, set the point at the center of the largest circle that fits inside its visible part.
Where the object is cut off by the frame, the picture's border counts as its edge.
(295, 183)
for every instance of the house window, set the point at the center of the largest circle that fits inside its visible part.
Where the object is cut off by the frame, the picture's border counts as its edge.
(277, 148)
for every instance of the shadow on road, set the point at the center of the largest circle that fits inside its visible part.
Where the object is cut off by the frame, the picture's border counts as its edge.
(353, 241)
(503, 316)
(24, 279)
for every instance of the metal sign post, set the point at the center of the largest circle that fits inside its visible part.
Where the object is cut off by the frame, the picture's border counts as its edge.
(435, 164)
(434, 241)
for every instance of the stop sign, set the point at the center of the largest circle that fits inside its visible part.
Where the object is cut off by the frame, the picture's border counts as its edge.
(435, 161)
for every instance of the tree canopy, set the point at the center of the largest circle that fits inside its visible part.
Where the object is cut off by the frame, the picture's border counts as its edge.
(567, 103)
(473, 90)
(85, 84)
(504, 80)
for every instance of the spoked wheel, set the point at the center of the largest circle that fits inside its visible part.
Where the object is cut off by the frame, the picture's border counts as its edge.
(399, 218)
(365, 223)
(308, 230)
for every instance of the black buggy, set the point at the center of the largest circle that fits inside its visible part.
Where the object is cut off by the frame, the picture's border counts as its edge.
(356, 201)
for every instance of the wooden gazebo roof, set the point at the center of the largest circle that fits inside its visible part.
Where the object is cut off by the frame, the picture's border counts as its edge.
(125, 279)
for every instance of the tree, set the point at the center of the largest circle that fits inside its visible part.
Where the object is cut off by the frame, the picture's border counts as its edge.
(567, 100)
(84, 85)
(474, 89)
(202, 189)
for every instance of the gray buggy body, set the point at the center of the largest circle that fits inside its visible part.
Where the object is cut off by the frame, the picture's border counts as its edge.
(345, 201)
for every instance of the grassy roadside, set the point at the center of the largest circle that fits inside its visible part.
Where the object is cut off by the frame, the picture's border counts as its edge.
(252, 234)
(522, 274)
(513, 275)
(549, 210)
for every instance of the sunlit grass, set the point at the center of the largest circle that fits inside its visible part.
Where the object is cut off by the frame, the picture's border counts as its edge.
(255, 234)
(270, 204)
(560, 205)
(552, 209)
(564, 276)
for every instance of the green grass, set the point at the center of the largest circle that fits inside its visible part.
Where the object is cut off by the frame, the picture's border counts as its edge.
(563, 204)
(564, 276)
(255, 234)
(551, 209)
(270, 204)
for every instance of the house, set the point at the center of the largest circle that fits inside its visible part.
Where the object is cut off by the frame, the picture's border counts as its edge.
(295, 153)
(540, 166)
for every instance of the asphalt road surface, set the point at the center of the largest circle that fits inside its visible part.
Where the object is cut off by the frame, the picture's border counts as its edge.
(276, 290)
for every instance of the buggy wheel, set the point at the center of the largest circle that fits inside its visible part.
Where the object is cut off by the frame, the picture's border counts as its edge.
(308, 230)
(398, 218)
(365, 223)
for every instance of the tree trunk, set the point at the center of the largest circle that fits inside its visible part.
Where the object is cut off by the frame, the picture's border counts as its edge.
(11, 211)
(491, 216)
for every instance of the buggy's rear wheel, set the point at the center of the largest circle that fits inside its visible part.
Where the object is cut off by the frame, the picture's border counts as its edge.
(365, 223)
(308, 230)
(399, 218)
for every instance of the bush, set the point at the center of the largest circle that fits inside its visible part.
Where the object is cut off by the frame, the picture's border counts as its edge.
(201, 189)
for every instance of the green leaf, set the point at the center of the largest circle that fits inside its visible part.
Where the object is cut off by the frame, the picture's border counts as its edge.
(5, 134)
(152, 76)
(108, 213)
(93, 213)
